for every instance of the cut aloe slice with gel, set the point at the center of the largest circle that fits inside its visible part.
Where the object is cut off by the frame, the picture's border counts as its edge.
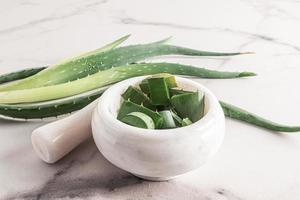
(169, 79)
(189, 105)
(136, 96)
(159, 91)
(129, 107)
(168, 119)
(139, 119)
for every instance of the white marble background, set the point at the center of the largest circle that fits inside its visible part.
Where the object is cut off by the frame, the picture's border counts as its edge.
(252, 163)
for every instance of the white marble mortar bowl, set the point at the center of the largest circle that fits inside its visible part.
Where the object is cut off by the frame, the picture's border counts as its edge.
(157, 154)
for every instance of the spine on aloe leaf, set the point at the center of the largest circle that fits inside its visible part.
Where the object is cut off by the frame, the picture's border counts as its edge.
(87, 65)
(245, 116)
(107, 77)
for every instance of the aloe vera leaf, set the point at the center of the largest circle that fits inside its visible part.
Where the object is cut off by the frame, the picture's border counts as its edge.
(189, 105)
(67, 105)
(159, 91)
(144, 86)
(17, 75)
(62, 66)
(138, 119)
(136, 96)
(107, 77)
(169, 79)
(186, 122)
(82, 67)
(248, 117)
(129, 107)
(168, 119)
(48, 109)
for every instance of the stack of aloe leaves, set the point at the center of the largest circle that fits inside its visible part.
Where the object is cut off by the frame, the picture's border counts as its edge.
(158, 103)
(73, 83)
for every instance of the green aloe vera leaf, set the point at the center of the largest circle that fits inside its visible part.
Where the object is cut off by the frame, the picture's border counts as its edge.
(189, 105)
(70, 104)
(84, 66)
(20, 74)
(129, 107)
(169, 78)
(136, 96)
(159, 91)
(67, 105)
(138, 119)
(251, 118)
(104, 78)
(144, 86)
(176, 118)
(48, 109)
(67, 66)
(186, 122)
(168, 119)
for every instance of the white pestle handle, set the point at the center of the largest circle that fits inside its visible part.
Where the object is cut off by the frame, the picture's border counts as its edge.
(54, 140)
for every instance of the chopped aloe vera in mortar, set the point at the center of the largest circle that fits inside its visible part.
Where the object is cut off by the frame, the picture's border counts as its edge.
(138, 119)
(169, 78)
(159, 91)
(129, 107)
(189, 105)
(136, 96)
(186, 122)
(170, 106)
(168, 119)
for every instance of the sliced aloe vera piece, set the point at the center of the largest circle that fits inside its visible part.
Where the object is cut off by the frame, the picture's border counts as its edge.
(168, 119)
(144, 86)
(129, 107)
(159, 91)
(169, 78)
(136, 96)
(138, 119)
(189, 105)
(186, 122)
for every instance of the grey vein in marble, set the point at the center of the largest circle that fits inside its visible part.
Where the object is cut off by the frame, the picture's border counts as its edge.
(133, 21)
(78, 11)
(122, 186)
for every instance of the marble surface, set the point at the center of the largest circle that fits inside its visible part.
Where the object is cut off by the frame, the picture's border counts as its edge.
(252, 163)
